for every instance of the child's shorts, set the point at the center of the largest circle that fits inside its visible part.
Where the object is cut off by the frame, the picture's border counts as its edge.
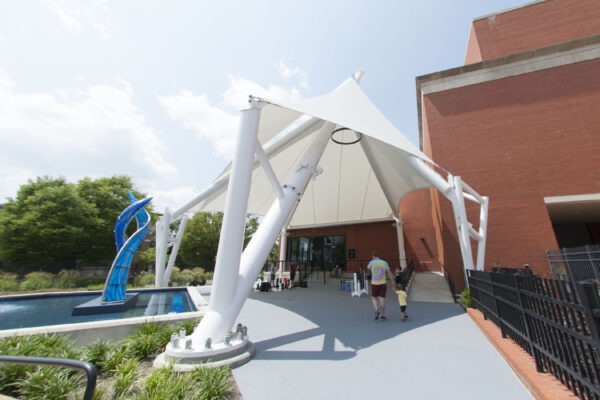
(402, 308)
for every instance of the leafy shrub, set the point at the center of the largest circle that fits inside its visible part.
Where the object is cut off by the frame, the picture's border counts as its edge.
(96, 278)
(37, 280)
(8, 282)
(466, 299)
(116, 356)
(125, 376)
(147, 258)
(144, 280)
(181, 278)
(164, 383)
(210, 383)
(48, 383)
(199, 384)
(142, 345)
(58, 346)
(67, 279)
(97, 353)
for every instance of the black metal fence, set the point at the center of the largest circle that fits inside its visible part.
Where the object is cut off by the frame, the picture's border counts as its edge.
(406, 274)
(577, 263)
(556, 321)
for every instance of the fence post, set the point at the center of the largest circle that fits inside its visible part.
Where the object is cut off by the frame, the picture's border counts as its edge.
(565, 258)
(589, 249)
(492, 283)
(588, 292)
(527, 321)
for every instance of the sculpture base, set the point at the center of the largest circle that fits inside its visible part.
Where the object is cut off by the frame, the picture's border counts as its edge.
(187, 360)
(97, 306)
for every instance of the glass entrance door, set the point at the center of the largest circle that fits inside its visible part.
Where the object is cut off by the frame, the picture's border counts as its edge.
(321, 252)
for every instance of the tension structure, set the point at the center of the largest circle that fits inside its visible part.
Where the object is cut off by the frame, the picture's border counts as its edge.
(317, 161)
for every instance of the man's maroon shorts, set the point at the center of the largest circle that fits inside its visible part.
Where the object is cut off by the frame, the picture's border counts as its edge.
(378, 290)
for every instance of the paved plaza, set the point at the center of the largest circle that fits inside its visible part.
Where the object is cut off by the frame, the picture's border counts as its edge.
(320, 343)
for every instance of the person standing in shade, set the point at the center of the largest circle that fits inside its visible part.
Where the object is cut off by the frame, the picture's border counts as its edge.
(272, 274)
(293, 268)
(398, 274)
(379, 269)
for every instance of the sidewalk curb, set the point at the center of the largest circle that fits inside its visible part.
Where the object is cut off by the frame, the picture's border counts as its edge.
(542, 386)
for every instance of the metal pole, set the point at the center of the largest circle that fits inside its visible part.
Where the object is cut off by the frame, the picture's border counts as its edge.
(217, 322)
(234, 217)
(400, 235)
(483, 220)
(175, 250)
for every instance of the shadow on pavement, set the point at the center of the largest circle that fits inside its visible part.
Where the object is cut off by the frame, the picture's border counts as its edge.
(346, 323)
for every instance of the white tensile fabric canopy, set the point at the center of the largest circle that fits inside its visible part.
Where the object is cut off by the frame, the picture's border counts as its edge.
(360, 182)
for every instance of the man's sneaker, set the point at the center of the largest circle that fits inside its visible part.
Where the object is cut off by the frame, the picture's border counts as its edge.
(377, 312)
(383, 318)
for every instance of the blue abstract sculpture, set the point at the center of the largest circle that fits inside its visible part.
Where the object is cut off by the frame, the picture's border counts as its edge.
(116, 283)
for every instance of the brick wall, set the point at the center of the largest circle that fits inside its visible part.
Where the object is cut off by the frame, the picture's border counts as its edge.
(420, 242)
(516, 140)
(531, 27)
(363, 238)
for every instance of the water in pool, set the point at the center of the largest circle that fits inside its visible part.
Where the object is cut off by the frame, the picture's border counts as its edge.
(53, 310)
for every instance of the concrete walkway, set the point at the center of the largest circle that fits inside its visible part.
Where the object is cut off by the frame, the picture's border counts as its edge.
(430, 286)
(320, 343)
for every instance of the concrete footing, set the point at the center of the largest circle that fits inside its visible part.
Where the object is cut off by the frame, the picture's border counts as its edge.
(233, 356)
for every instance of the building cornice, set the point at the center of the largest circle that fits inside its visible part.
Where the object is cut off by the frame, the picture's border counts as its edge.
(510, 9)
(556, 55)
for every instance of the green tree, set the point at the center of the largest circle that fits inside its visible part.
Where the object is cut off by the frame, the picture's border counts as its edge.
(201, 239)
(47, 223)
(53, 222)
(147, 258)
(109, 196)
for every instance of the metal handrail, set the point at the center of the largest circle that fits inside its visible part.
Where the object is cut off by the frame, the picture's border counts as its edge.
(89, 368)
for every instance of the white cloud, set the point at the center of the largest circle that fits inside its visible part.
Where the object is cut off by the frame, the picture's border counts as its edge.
(6, 83)
(95, 132)
(196, 113)
(288, 72)
(219, 124)
(76, 15)
(174, 198)
(236, 96)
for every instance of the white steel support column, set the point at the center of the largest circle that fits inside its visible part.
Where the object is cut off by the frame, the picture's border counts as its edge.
(400, 234)
(217, 322)
(282, 249)
(162, 247)
(458, 220)
(175, 250)
(483, 219)
(455, 190)
(464, 235)
(234, 217)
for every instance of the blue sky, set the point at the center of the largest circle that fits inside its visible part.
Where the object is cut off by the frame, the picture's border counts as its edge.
(151, 89)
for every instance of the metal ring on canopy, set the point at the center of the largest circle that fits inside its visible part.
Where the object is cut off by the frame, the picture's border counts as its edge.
(358, 134)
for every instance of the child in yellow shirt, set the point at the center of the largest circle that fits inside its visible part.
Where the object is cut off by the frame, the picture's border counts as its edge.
(403, 300)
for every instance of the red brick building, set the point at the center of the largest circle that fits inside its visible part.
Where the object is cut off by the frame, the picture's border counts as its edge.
(520, 123)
